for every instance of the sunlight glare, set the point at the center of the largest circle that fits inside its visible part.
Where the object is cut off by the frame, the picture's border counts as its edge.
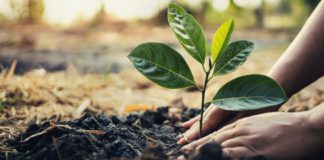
(65, 12)
(220, 5)
(193, 3)
(4, 7)
(248, 3)
(130, 9)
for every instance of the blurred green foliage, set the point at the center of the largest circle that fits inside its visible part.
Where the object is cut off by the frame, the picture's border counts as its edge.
(35, 10)
(28, 11)
(286, 14)
(243, 17)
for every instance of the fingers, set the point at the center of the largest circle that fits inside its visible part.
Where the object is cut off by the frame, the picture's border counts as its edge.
(227, 134)
(238, 152)
(234, 142)
(189, 123)
(192, 121)
(192, 146)
(191, 134)
(213, 117)
(210, 137)
(227, 127)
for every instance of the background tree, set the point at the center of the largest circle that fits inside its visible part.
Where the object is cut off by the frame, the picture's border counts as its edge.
(100, 17)
(259, 14)
(29, 11)
(35, 10)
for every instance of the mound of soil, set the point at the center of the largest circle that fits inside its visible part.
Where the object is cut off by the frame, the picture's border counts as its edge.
(147, 135)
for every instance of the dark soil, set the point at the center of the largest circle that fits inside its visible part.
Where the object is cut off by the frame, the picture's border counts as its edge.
(147, 135)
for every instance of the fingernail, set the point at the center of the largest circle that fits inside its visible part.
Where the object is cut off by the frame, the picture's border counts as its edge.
(181, 141)
(179, 136)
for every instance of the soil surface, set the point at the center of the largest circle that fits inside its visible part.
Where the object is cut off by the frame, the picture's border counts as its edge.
(104, 49)
(145, 135)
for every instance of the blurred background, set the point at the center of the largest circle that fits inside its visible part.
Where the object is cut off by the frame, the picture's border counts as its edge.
(70, 55)
(96, 35)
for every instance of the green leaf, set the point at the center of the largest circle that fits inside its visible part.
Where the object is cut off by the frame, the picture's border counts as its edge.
(1, 106)
(162, 65)
(249, 92)
(235, 55)
(221, 38)
(188, 32)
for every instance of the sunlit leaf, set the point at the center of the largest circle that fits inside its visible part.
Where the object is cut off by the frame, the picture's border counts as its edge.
(235, 55)
(138, 107)
(162, 65)
(221, 38)
(188, 32)
(249, 92)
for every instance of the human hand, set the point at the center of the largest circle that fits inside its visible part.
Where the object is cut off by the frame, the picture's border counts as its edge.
(273, 135)
(214, 118)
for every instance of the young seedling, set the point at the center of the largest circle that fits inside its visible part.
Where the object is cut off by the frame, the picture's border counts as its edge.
(167, 68)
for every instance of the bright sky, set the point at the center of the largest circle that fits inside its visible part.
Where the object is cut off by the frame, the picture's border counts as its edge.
(64, 12)
(128, 9)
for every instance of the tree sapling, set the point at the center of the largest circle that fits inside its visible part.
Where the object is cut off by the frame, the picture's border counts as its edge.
(167, 68)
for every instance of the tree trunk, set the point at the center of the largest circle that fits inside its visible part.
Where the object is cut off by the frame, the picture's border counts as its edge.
(260, 15)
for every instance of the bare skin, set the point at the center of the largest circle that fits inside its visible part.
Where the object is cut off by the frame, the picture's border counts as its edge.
(214, 118)
(286, 135)
(300, 65)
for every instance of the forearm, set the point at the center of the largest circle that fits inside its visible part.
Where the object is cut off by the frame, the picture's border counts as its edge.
(303, 62)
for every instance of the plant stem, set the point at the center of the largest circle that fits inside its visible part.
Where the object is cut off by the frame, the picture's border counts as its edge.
(203, 93)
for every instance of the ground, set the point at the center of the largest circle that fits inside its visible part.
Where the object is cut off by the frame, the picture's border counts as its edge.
(78, 72)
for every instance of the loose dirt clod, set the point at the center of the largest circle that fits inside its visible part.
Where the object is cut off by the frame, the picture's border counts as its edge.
(147, 135)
